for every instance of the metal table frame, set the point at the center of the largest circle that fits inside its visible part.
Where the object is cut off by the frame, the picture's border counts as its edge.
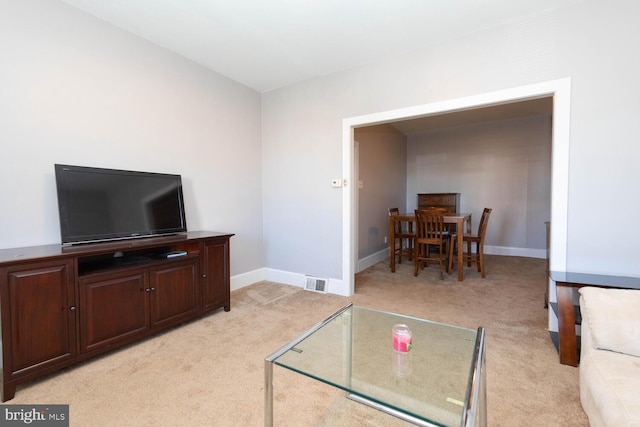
(475, 408)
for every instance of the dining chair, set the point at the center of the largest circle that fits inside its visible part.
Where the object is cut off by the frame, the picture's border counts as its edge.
(446, 210)
(478, 239)
(403, 231)
(430, 233)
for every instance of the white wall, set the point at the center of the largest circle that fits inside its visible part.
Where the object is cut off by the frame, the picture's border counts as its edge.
(587, 42)
(504, 165)
(383, 184)
(75, 90)
(78, 91)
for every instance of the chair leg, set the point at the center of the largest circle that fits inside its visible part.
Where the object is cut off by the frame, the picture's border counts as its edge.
(451, 246)
(415, 260)
(424, 253)
(469, 252)
(481, 260)
(445, 254)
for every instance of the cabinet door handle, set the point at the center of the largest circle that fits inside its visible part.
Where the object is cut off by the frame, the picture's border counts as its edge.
(153, 289)
(72, 308)
(204, 276)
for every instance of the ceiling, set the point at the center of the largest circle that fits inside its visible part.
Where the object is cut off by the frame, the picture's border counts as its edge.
(513, 110)
(267, 45)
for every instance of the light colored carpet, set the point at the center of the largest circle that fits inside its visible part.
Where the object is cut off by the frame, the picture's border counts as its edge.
(210, 372)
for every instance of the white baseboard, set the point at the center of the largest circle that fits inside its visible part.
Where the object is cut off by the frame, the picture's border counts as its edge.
(245, 279)
(286, 277)
(373, 259)
(334, 286)
(510, 251)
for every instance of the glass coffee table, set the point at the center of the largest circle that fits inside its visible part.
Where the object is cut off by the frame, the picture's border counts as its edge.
(439, 381)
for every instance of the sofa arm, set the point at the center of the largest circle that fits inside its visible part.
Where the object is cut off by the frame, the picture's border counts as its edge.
(586, 341)
(611, 318)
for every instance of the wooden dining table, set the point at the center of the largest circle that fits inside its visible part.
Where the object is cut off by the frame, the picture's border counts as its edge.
(460, 219)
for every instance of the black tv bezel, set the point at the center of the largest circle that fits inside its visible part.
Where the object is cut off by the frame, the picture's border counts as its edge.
(67, 239)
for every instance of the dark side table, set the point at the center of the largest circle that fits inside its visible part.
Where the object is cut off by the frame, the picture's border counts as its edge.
(566, 282)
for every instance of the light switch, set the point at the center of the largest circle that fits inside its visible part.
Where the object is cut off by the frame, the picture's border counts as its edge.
(336, 182)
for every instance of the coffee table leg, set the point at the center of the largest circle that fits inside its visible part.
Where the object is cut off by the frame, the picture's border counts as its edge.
(347, 336)
(268, 363)
(482, 400)
(389, 410)
(268, 393)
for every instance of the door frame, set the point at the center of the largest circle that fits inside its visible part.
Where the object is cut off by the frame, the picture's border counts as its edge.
(559, 90)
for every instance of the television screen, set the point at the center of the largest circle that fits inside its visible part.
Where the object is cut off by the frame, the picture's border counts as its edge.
(106, 204)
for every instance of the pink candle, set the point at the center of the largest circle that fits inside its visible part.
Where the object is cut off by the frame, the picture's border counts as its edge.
(401, 338)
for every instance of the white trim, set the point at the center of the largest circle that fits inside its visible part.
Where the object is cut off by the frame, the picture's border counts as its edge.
(245, 279)
(372, 259)
(382, 255)
(348, 209)
(512, 251)
(334, 286)
(286, 277)
(561, 92)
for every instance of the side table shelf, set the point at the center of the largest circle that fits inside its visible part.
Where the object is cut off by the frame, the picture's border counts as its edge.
(578, 322)
(566, 284)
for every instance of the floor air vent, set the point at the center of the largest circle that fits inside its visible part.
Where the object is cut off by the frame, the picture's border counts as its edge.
(315, 284)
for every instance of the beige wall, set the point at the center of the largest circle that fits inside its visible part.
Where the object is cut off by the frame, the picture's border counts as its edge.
(382, 165)
(586, 42)
(504, 165)
(75, 90)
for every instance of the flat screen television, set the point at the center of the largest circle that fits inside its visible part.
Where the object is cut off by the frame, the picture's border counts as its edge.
(98, 204)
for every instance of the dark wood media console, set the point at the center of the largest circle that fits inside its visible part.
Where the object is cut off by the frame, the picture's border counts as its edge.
(63, 305)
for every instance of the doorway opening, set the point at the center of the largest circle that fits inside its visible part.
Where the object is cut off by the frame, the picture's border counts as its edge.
(558, 90)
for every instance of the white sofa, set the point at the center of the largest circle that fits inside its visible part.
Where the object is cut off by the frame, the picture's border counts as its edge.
(610, 356)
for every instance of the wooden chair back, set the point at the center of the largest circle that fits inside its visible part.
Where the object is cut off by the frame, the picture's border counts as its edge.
(482, 227)
(430, 232)
(429, 226)
(403, 230)
(398, 224)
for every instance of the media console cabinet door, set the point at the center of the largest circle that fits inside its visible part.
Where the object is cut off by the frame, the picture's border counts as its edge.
(174, 293)
(113, 307)
(215, 289)
(38, 316)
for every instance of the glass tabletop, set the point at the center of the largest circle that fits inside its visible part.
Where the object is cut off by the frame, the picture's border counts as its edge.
(353, 350)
